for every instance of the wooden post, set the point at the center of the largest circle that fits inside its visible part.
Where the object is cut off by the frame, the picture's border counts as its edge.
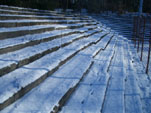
(134, 30)
(148, 59)
(143, 36)
(138, 34)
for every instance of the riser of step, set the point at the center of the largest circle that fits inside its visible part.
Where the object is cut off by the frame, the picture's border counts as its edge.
(19, 24)
(6, 35)
(30, 59)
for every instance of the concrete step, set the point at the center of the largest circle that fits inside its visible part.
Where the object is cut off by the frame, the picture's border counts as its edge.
(16, 59)
(28, 22)
(133, 101)
(89, 95)
(42, 13)
(37, 74)
(21, 31)
(132, 94)
(58, 101)
(55, 90)
(37, 11)
(114, 97)
(6, 7)
(17, 12)
(17, 17)
(12, 44)
(142, 80)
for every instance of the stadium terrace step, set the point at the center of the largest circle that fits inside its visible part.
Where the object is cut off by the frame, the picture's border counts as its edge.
(7, 11)
(13, 60)
(114, 97)
(89, 95)
(17, 17)
(17, 43)
(140, 81)
(58, 57)
(55, 62)
(28, 22)
(133, 99)
(37, 11)
(63, 79)
(68, 81)
(21, 31)
(23, 9)
(15, 12)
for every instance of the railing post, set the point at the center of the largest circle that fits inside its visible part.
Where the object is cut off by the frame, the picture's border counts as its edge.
(148, 59)
(143, 36)
(134, 29)
(137, 22)
(139, 33)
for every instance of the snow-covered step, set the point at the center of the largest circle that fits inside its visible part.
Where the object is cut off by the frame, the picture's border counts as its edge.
(13, 60)
(36, 11)
(10, 17)
(20, 31)
(28, 22)
(8, 11)
(55, 89)
(141, 82)
(99, 46)
(132, 93)
(118, 61)
(8, 45)
(17, 43)
(89, 95)
(114, 97)
(105, 41)
(34, 74)
(109, 51)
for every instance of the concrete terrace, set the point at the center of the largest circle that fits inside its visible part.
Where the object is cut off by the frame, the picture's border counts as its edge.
(54, 62)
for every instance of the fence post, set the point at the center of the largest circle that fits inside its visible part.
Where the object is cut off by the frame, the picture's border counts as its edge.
(148, 60)
(136, 27)
(139, 32)
(143, 36)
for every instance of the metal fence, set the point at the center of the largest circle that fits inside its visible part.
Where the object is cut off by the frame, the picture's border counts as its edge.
(142, 39)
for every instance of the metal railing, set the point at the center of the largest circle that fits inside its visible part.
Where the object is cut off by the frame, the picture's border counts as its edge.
(142, 39)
